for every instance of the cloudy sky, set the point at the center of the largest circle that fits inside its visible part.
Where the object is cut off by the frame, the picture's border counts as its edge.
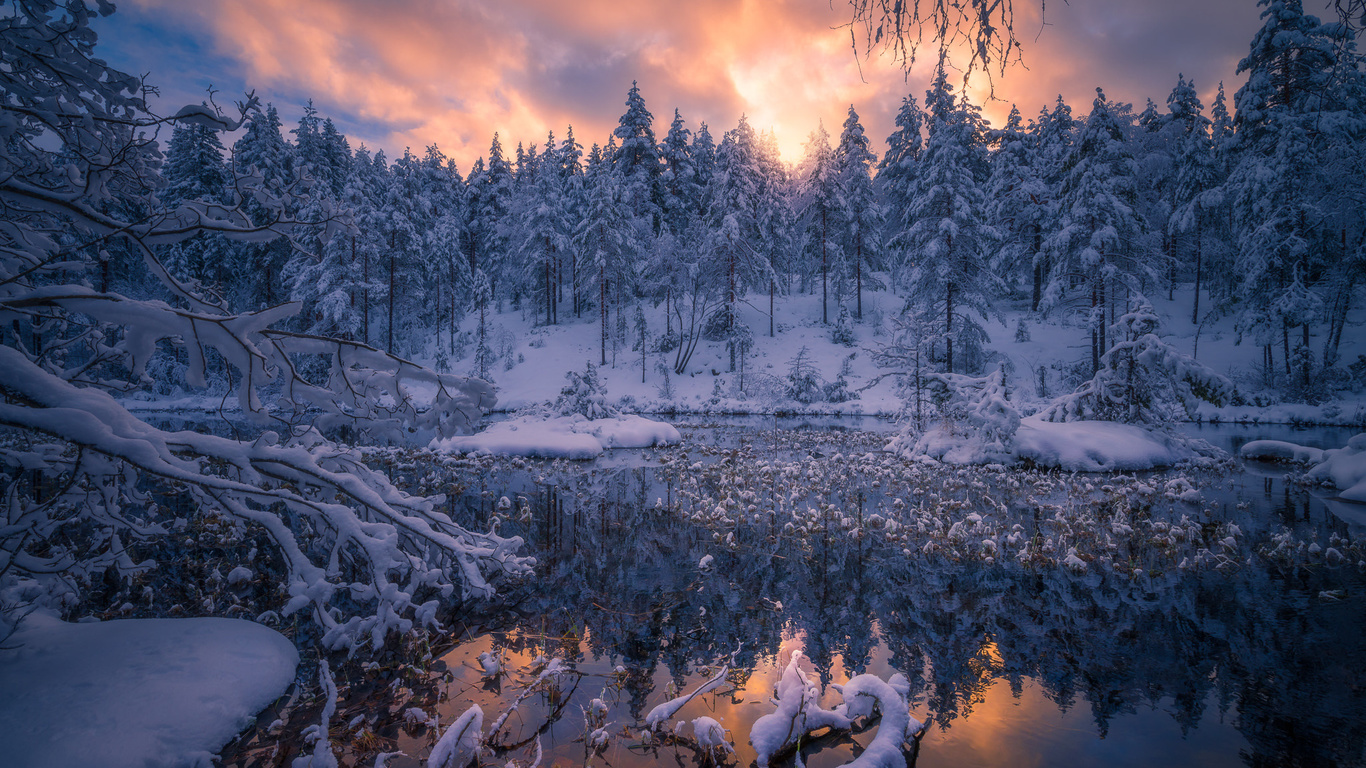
(410, 73)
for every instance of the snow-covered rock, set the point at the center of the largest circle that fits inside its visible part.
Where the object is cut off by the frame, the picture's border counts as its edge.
(135, 692)
(562, 437)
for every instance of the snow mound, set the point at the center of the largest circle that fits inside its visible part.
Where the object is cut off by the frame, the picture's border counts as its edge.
(1074, 446)
(135, 692)
(562, 437)
(1279, 450)
(1097, 446)
(1344, 468)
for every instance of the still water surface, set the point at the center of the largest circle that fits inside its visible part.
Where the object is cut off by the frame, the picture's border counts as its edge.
(1203, 629)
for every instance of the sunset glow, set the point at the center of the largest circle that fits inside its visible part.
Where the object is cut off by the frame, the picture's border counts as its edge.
(418, 72)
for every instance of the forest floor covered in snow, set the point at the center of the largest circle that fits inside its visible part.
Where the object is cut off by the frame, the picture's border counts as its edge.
(1042, 357)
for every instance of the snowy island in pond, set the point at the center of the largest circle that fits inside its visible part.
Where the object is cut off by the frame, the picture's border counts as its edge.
(135, 692)
(579, 425)
(1343, 468)
(562, 437)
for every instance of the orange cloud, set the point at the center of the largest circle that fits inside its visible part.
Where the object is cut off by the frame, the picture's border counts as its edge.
(417, 72)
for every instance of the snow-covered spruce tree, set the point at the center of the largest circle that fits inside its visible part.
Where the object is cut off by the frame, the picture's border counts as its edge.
(895, 180)
(948, 232)
(1301, 102)
(1017, 201)
(863, 216)
(82, 474)
(636, 161)
(544, 234)
(1097, 245)
(1197, 200)
(606, 239)
(821, 213)
(682, 191)
(734, 256)
(1142, 379)
(263, 155)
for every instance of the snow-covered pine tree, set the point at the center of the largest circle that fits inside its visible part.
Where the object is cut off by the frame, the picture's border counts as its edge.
(1290, 113)
(682, 192)
(1197, 201)
(895, 182)
(606, 239)
(544, 232)
(733, 244)
(195, 170)
(1099, 226)
(949, 234)
(636, 161)
(821, 214)
(262, 151)
(863, 216)
(1018, 201)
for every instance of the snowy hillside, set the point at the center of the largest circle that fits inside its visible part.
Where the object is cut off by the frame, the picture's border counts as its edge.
(531, 370)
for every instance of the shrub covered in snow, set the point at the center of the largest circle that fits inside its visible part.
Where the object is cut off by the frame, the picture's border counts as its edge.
(584, 395)
(1142, 379)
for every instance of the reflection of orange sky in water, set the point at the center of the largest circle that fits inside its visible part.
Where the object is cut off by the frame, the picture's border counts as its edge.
(995, 729)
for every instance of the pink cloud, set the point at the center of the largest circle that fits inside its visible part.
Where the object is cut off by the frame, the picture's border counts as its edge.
(452, 73)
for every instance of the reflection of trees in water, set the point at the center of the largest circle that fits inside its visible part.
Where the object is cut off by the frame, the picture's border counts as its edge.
(1257, 641)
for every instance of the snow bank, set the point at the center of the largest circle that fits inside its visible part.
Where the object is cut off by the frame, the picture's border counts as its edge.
(1280, 450)
(136, 692)
(562, 437)
(1075, 446)
(1097, 446)
(1345, 468)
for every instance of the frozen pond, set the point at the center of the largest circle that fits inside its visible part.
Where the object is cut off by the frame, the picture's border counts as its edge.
(1206, 618)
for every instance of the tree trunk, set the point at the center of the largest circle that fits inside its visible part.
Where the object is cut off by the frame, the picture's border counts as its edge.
(771, 291)
(1199, 265)
(948, 327)
(389, 347)
(858, 274)
(365, 296)
(1095, 330)
(825, 292)
(602, 300)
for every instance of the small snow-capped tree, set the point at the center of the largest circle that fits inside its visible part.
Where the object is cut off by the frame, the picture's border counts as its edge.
(84, 474)
(975, 421)
(803, 379)
(584, 395)
(1142, 379)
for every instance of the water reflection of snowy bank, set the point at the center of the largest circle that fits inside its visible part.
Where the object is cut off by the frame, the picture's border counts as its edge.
(1085, 599)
